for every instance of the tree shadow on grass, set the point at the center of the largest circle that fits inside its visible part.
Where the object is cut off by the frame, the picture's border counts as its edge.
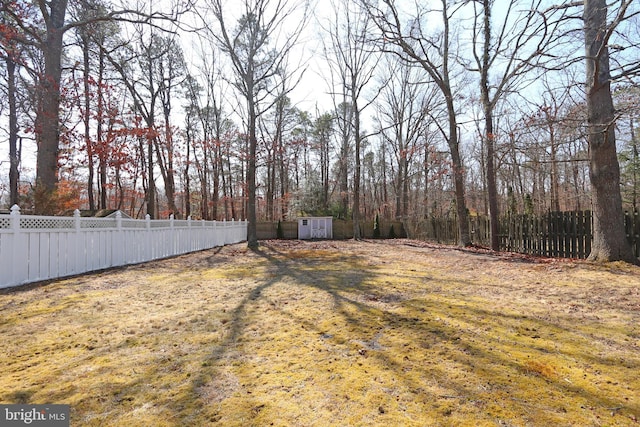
(357, 302)
(280, 266)
(459, 354)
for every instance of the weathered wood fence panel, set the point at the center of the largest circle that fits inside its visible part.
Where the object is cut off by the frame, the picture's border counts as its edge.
(34, 248)
(269, 230)
(555, 234)
(632, 227)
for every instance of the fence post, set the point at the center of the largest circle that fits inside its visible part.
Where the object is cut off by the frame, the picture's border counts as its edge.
(232, 237)
(188, 235)
(149, 243)
(117, 249)
(76, 219)
(74, 248)
(15, 218)
(18, 261)
(174, 241)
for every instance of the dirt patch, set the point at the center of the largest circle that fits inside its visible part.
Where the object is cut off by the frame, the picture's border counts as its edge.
(393, 332)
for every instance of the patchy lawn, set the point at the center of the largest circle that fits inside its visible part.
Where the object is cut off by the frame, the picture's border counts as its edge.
(388, 333)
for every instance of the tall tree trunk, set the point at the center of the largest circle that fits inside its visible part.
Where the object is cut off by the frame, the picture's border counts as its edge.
(492, 189)
(166, 167)
(217, 174)
(87, 121)
(252, 234)
(634, 162)
(14, 153)
(48, 129)
(555, 174)
(357, 168)
(151, 185)
(201, 167)
(103, 147)
(271, 183)
(399, 184)
(187, 178)
(385, 195)
(344, 167)
(609, 239)
(464, 238)
(323, 132)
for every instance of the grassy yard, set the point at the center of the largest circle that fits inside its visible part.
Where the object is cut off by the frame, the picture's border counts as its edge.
(375, 333)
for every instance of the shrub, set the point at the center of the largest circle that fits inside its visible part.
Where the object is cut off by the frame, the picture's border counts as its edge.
(376, 227)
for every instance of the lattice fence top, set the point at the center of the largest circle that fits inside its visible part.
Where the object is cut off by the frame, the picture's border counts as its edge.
(46, 222)
(97, 223)
(5, 222)
(133, 223)
(160, 223)
(32, 222)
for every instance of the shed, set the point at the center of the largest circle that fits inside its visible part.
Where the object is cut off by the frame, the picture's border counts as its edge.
(98, 213)
(313, 227)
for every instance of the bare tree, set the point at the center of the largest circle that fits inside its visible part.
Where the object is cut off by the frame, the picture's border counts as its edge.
(322, 132)
(216, 127)
(403, 115)
(144, 90)
(515, 49)
(353, 61)
(256, 64)
(169, 73)
(416, 42)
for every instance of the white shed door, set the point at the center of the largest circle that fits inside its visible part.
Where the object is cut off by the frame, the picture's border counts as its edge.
(318, 228)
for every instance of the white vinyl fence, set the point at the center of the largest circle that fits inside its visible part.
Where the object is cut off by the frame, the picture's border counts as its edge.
(34, 248)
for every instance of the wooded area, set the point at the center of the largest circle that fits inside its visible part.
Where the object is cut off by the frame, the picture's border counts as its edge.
(439, 109)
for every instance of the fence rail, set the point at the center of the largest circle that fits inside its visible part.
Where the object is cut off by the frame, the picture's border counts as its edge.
(555, 234)
(34, 248)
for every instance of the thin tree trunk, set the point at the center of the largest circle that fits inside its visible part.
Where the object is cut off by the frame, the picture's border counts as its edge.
(14, 153)
(187, 178)
(87, 125)
(103, 152)
(357, 167)
(151, 186)
(464, 238)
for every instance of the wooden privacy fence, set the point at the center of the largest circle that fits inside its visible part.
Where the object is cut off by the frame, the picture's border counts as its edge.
(555, 234)
(341, 229)
(34, 248)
